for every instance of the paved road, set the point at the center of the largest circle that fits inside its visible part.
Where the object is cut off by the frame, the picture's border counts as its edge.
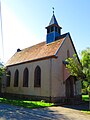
(9, 112)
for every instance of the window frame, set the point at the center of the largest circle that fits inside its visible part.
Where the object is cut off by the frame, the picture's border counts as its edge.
(25, 77)
(52, 28)
(16, 78)
(68, 53)
(37, 77)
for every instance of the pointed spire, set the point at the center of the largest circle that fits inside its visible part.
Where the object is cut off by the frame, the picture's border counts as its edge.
(53, 20)
(53, 29)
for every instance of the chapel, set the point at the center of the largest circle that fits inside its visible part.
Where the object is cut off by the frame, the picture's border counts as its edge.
(39, 72)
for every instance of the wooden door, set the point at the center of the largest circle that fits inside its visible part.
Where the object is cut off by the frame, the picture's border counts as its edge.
(69, 87)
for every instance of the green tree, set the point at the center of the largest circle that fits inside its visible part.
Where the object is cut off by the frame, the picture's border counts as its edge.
(74, 66)
(81, 69)
(86, 67)
(2, 72)
(85, 54)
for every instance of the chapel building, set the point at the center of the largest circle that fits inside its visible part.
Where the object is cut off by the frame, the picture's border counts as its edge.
(39, 72)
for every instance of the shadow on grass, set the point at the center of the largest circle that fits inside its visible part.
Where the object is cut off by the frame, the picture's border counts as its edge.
(26, 104)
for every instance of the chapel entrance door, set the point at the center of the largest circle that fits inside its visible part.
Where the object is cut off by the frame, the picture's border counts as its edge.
(69, 87)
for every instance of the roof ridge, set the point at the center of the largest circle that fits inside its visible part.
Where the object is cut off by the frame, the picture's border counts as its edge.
(61, 36)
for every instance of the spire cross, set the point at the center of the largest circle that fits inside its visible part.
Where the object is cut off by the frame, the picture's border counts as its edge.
(53, 9)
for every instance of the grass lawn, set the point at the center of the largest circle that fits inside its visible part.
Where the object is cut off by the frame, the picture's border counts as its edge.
(88, 112)
(85, 97)
(26, 104)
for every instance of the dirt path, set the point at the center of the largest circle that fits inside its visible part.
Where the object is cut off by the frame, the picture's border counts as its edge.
(9, 112)
(70, 114)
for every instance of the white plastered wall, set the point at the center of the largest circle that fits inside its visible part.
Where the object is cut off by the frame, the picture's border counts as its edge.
(58, 84)
(44, 90)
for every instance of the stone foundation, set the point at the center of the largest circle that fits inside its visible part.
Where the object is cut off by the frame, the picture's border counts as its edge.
(35, 98)
(60, 100)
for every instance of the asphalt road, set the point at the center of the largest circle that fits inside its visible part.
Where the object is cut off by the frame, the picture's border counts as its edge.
(9, 112)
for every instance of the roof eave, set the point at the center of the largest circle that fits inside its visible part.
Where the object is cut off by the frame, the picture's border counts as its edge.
(39, 59)
(53, 25)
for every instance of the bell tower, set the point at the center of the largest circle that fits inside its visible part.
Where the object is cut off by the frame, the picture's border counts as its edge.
(53, 30)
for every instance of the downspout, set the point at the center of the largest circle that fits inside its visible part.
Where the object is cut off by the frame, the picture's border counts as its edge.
(50, 79)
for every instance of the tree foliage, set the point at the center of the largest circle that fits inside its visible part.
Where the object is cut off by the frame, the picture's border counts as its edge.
(81, 69)
(74, 66)
(2, 71)
(85, 54)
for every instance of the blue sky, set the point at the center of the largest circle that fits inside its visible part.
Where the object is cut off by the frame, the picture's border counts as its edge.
(24, 22)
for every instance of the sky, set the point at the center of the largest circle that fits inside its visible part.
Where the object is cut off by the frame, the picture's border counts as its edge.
(24, 22)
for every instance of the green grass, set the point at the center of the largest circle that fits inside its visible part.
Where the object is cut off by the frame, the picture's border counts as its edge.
(26, 104)
(88, 112)
(85, 97)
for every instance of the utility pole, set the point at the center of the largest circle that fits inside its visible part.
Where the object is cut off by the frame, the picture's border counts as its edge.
(1, 33)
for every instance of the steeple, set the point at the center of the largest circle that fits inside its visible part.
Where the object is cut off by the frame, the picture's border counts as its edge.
(53, 20)
(53, 30)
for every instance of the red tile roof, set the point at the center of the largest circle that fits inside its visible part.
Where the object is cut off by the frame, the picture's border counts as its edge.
(36, 52)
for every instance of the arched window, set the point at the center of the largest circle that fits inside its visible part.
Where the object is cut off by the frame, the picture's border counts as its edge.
(8, 79)
(56, 29)
(59, 30)
(37, 77)
(68, 54)
(48, 30)
(25, 78)
(16, 78)
(52, 28)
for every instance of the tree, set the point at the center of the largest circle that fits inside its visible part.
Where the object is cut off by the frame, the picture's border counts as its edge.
(74, 66)
(2, 71)
(86, 70)
(86, 65)
(81, 69)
